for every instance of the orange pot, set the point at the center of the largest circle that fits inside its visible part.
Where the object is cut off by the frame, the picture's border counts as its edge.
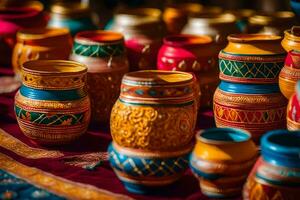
(41, 44)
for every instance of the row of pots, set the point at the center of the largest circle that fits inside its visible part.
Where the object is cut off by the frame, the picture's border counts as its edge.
(152, 125)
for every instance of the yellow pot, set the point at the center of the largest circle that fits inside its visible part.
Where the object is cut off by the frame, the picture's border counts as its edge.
(290, 41)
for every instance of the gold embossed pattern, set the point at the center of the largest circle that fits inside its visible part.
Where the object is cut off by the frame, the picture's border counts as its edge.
(153, 127)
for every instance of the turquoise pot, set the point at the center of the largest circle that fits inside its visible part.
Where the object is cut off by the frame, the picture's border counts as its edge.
(145, 173)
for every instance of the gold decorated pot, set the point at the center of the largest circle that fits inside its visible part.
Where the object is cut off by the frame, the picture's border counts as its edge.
(103, 52)
(273, 24)
(291, 41)
(52, 106)
(152, 125)
(41, 44)
(156, 110)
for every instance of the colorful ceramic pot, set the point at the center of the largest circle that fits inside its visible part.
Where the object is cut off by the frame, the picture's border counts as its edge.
(295, 5)
(276, 174)
(103, 52)
(72, 15)
(290, 74)
(143, 30)
(13, 18)
(221, 160)
(176, 16)
(192, 53)
(291, 40)
(248, 96)
(152, 124)
(52, 106)
(41, 44)
(273, 24)
(293, 110)
(218, 26)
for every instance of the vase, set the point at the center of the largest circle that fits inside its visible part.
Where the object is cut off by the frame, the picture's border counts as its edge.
(176, 16)
(14, 18)
(192, 53)
(290, 74)
(52, 106)
(41, 44)
(221, 161)
(295, 5)
(143, 30)
(152, 126)
(218, 26)
(273, 24)
(248, 96)
(291, 41)
(72, 15)
(103, 52)
(276, 173)
(293, 114)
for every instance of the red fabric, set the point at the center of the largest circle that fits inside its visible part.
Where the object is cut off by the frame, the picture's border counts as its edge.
(96, 139)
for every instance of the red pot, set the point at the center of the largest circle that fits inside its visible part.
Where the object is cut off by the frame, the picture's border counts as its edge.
(142, 52)
(195, 54)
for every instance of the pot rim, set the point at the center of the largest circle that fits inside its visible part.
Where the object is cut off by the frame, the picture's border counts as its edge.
(99, 37)
(57, 67)
(267, 19)
(278, 141)
(44, 33)
(18, 13)
(153, 77)
(69, 8)
(211, 18)
(253, 38)
(180, 40)
(33, 4)
(241, 136)
(186, 8)
(288, 35)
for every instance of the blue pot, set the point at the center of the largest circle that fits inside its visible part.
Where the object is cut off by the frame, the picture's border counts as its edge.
(143, 172)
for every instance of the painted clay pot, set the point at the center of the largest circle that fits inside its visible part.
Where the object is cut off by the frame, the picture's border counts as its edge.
(41, 44)
(72, 15)
(143, 30)
(103, 52)
(14, 18)
(248, 96)
(192, 53)
(295, 5)
(293, 110)
(221, 160)
(152, 124)
(291, 40)
(290, 74)
(276, 173)
(176, 16)
(218, 26)
(273, 24)
(52, 106)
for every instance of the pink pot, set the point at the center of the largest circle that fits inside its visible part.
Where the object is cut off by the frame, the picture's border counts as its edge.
(195, 54)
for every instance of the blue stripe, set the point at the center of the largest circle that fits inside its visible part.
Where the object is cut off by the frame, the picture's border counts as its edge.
(255, 55)
(52, 95)
(278, 182)
(240, 88)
